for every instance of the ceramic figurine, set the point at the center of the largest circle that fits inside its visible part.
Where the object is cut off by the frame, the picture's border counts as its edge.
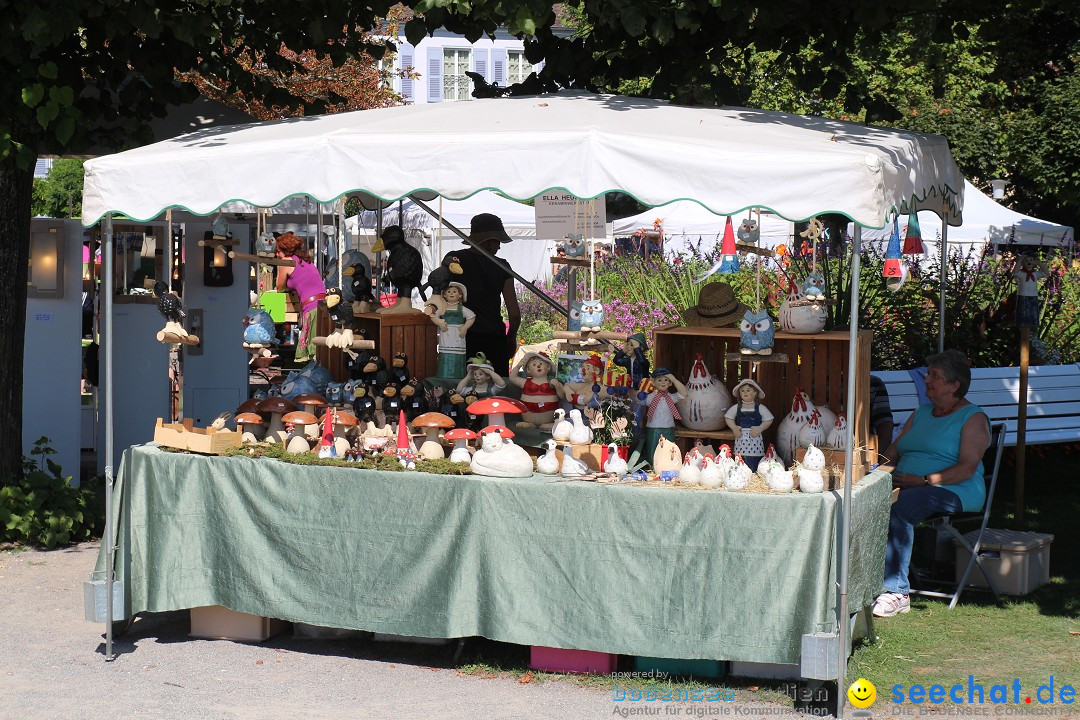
(729, 260)
(432, 423)
(632, 357)
(749, 419)
(498, 456)
(812, 433)
(769, 462)
(341, 312)
(615, 464)
(724, 460)
(798, 315)
(827, 419)
(837, 437)
(739, 477)
(480, 381)
(440, 278)
(461, 438)
(787, 435)
(749, 232)
(756, 333)
(560, 430)
(1028, 274)
(581, 394)
(813, 286)
(809, 471)
(665, 457)
(689, 473)
(580, 433)
(548, 463)
(539, 389)
(454, 321)
(359, 275)
(780, 480)
(711, 475)
(171, 309)
(573, 245)
(706, 400)
(571, 466)
(335, 393)
(259, 327)
(573, 320)
(404, 267)
(592, 315)
(662, 409)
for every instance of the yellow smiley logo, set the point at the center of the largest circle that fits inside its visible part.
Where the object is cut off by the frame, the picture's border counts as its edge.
(862, 693)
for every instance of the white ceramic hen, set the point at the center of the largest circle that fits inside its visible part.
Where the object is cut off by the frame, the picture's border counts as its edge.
(739, 477)
(615, 464)
(809, 471)
(706, 400)
(779, 479)
(571, 466)
(838, 434)
(725, 461)
(689, 474)
(787, 435)
(548, 463)
(768, 462)
(580, 433)
(560, 431)
(711, 475)
(827, 419)
(812, 433)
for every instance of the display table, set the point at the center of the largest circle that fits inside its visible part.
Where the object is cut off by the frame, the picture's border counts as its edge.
(660, 572)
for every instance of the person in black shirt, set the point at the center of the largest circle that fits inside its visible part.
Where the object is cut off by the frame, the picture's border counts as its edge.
(489, 285)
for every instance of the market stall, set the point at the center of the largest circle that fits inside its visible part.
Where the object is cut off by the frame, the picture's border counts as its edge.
(728, 161)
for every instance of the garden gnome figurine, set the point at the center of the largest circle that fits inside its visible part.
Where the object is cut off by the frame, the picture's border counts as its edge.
(1028, 274)
(661, 409)
(632, 357)
(913, 237)
(729, 261)
(748, 419)
(892, 267)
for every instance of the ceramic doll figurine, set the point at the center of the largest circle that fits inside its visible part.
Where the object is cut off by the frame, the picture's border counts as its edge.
(661, 408)
(581, 394)
(1028, 274)
(748, 419)
(540, 390)
(632, 357)
(454, 321)
(480, 381)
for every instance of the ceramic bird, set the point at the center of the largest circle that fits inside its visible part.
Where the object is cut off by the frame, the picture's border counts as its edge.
(580, 433)
(404, 266)
(363, 403)
(749, 232)
(592, 315)
(779, 480)
(814, 286)
(711, 475)
(560, 431)
(259, 327)
(798, 316)
(706, 400)
(756, 333)
(266, 244)
(348, 391)
(170, 308)
(571, 466)
(548, 463)
(574, 245)
(739, 477)
(615, 464)
(341, 312)
(769, 462)
(375, 376)
(812, 433)
(724, 460)
(809, 471)
(219, 421)
(573, 320)
(399, 369)
(827, 419)
(439, 278)
(689, 474)
(787, 435)
(335, 393)
(837, 437)
(360, 283)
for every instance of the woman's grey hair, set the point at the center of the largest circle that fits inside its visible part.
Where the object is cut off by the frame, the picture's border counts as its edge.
(956, 368)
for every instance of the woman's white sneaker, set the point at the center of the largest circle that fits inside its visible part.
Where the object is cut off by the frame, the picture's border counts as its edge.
(891, 604)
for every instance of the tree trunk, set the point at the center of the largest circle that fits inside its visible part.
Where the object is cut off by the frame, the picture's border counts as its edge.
(16, 187)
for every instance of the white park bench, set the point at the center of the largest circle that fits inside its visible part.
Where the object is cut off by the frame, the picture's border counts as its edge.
(1053, 409)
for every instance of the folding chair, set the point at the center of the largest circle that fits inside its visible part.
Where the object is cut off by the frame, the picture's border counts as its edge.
(991, 463)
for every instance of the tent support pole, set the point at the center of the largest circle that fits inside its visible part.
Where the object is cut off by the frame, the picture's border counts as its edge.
(109, 289)
(845, 518)
(465, 239)
(944, 276)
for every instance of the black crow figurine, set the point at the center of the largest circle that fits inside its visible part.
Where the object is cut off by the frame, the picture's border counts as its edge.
(170, 308)
(404, 267)
(341, 313)
(439, 278)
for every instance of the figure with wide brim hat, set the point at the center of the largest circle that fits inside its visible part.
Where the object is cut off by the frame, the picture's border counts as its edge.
(540, 390)
(749, 419)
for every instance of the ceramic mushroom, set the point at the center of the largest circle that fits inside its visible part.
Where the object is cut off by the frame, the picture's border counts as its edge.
(276, 407)
(344, 422)
(496, 408)
(498, 456)
(312, 403)
(252, 426)
(461, 438)
(298, 441)
(431, 423)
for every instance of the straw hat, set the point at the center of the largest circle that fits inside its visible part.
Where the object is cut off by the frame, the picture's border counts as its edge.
(716, 307)
(751, 383)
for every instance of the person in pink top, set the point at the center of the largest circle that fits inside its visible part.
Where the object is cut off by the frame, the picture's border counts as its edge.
(304, 280)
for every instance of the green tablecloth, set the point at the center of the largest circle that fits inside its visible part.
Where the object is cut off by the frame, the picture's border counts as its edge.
(633, 570)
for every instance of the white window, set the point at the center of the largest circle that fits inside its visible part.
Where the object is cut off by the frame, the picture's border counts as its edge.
(517, 67)
(456, 84)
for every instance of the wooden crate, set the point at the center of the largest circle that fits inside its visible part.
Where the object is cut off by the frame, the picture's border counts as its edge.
(185, 436)
(411, 333)
(834, 466)
(817, 363)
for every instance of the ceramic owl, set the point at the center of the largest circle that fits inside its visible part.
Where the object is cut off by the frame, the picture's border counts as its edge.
(814, 286)
(749, 232)
(574, 245)
(259, 327)
(756, 333)
(573, 321)
(592, 314)
(266, 244)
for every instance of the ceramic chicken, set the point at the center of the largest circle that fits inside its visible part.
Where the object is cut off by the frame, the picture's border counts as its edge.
(739, 477)
(711, 475)
(689, 474)
(787, 435)
(404, 267)
(810, 470)
(769, 462)
(724, 460)
(780, 480)
(798, 315)
(706, 400)
(812, 433)
(837, 437)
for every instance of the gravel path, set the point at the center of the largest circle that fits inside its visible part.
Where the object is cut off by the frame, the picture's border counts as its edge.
(52, 667)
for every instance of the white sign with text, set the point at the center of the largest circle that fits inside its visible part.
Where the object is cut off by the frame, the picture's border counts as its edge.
(559, 214)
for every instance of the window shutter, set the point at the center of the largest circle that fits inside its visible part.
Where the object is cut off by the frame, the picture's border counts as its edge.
(434, 79)
(405, 55)
(498, 67)
(480, 63)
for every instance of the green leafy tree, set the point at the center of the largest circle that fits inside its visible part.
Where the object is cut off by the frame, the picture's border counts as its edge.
(59, 194)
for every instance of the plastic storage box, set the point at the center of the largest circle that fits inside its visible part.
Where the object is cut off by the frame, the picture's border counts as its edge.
(218, 622)
(549, 659)
(1019, 562)
(674, 667)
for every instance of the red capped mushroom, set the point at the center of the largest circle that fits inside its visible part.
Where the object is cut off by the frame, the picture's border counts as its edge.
(497, 408)
(461, 438)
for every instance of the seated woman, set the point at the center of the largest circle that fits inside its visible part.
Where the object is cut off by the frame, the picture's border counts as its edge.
(938, 467)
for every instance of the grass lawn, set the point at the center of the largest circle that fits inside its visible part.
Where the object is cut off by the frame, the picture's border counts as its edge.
(997, 641)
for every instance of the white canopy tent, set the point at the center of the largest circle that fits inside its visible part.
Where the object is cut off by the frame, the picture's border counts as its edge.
(726, 159)
(685, 223)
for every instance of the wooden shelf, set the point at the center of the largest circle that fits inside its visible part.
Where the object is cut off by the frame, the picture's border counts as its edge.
(681, 432)
(745, 357)
(572, 262)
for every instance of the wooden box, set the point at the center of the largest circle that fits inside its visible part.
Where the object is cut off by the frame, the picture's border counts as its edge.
(411, 333)
(217, 622)
(834, 466)
(817, 363)
(185, 436)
